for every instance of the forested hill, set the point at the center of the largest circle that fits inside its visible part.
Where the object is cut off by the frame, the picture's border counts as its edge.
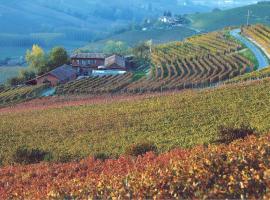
(31, 16)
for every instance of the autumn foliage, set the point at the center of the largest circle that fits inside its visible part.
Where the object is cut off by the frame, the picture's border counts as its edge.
(238, 170)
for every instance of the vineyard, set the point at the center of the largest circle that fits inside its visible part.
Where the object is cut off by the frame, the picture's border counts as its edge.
(239, 170)
(84, 144)
(196, 62)
(171, 120)
(13, 95)
(261, 74)
(260, 34)
(96, 85)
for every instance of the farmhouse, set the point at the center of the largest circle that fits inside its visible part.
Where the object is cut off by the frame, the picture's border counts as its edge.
(62, 74)
(84, 63)
(92, 60)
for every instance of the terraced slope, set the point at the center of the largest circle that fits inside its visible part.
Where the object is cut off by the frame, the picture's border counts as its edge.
(96, 85)
(198, 61)
(260, 34)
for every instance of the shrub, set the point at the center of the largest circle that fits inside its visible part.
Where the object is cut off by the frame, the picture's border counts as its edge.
(101, 156)
(141, 149)
(2, 87)
(228, 134)
(23, 155)
(239, 170)
(64, 158)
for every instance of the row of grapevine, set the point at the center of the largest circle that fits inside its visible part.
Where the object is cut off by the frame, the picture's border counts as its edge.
(11, 95)
(216, 42)
(256, 75)
(95, 85)
(187, 73)
(259, 33)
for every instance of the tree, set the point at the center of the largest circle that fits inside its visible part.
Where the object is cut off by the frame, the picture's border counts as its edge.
(167, 14)
(142, 50)
(41, 63)
(36, 59)
(14, 81)
(26, 75)
(116, 47)
(142, 53)
(57, 57)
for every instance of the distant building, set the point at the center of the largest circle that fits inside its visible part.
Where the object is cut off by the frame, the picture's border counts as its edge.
(60, 75)
(174, 21)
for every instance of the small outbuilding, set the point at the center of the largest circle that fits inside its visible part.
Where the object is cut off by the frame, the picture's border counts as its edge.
(115, 62)
(60, 75)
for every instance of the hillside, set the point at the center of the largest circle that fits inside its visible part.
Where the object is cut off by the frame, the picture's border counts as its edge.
(172, 120)
(199, 61)
(196, 62)
(182, 115)
(33, 16)
(231, 17)
(131, 38)
(259, 34)
(85, 20)
(234, 171)
(74, 24)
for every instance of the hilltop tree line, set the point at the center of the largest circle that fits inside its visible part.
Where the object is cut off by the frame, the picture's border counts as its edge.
(140, 51)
